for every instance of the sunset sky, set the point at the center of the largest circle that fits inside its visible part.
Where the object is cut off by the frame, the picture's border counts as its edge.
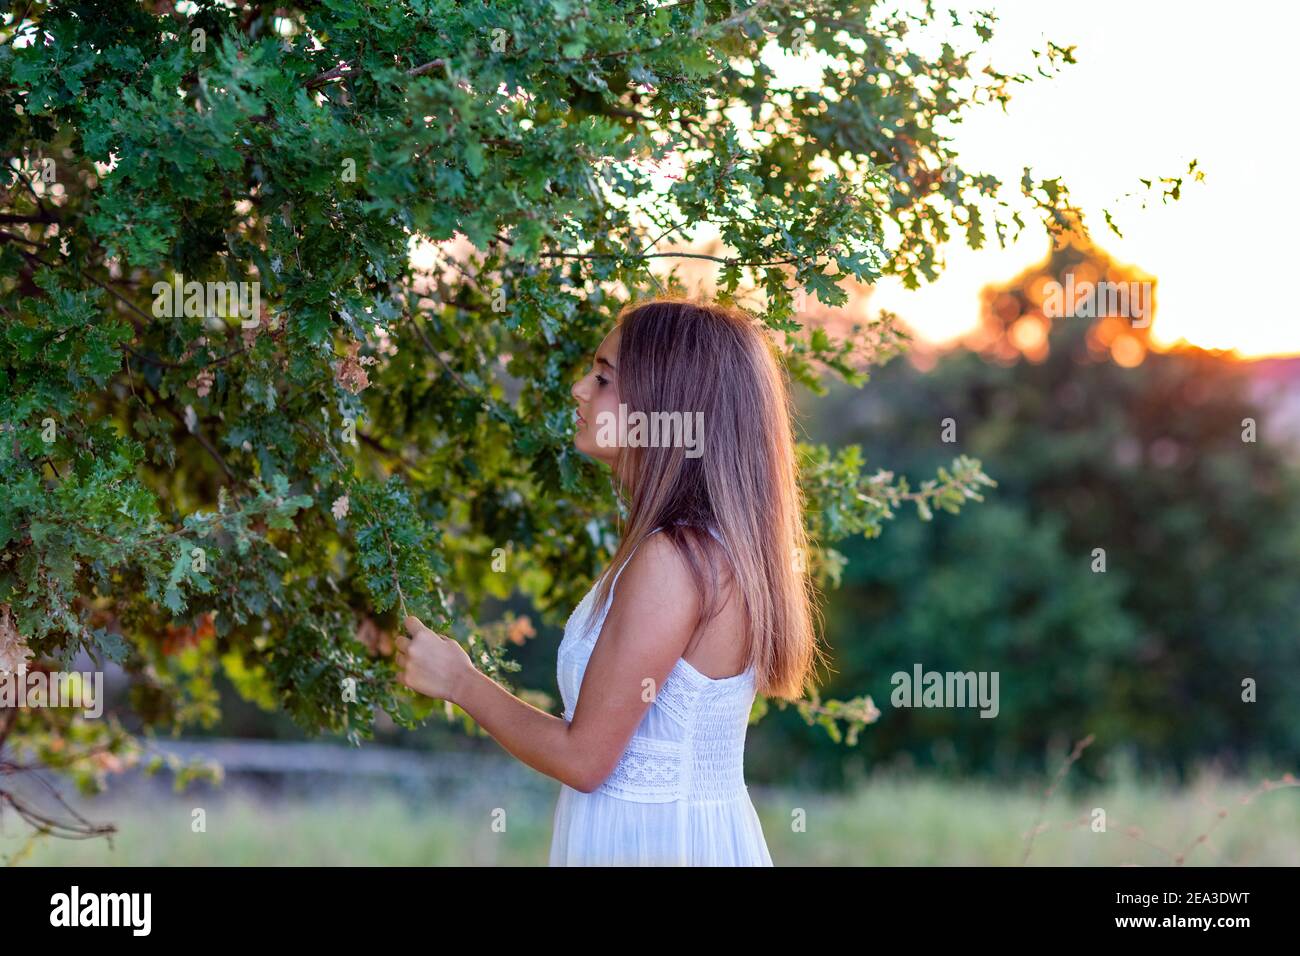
(1157, 84)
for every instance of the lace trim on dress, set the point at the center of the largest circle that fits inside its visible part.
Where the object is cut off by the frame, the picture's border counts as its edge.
(649, 771)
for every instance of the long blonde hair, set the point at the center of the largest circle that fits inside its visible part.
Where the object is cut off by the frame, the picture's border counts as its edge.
(679, 355)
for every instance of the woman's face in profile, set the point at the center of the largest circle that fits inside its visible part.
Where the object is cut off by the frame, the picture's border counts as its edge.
(597, 395)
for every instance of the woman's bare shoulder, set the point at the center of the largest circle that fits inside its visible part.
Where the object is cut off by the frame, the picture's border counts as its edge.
(659, 561)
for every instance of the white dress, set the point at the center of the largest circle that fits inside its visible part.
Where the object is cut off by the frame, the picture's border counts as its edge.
(678, 795)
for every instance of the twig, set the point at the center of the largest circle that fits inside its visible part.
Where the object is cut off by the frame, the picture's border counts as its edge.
(723, 260)
(103, 285)
(1060, 774)
(198, 435)
(343, 69)
(12, 237)
(388, 542)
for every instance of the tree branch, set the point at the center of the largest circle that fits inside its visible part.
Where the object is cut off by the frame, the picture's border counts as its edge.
(45, 217)
(6, 236)
(198, 435)
(344, 69)
(103, 285)
(724, 260)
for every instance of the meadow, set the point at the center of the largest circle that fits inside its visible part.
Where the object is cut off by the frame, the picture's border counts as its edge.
(886, 821)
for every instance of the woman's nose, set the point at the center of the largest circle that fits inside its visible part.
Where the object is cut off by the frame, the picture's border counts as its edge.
(576, 390)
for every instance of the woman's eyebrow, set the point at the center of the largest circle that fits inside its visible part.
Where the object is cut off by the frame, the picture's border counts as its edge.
(606, 362)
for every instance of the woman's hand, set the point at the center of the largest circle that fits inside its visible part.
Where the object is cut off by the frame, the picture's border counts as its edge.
(431, 664)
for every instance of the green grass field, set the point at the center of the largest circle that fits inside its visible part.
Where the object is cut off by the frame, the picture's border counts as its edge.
(887, 822)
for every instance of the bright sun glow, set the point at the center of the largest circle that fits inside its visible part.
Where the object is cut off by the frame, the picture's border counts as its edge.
(1152, 90)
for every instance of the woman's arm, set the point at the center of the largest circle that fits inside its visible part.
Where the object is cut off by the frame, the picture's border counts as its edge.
(649, 623)
(541, 740)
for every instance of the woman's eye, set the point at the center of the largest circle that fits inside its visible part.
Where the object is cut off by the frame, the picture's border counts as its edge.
(602, 380)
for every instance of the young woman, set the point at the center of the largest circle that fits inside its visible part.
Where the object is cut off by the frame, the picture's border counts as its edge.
(705, 602)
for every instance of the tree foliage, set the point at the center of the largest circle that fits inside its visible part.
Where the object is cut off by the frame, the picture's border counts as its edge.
(380, 436)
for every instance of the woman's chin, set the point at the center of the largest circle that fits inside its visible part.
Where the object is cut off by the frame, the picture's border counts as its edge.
(583, 443)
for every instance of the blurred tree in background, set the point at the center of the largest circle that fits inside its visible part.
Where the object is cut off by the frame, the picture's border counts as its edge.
(1096, 441)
